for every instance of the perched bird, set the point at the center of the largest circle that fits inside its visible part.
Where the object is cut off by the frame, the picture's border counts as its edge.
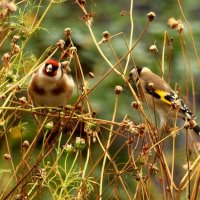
(157, 93)
(50, 85)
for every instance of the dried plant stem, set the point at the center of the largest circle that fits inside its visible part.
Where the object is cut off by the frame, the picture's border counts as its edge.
(193, 168)
(190, 31)
(23, 158)
(139, 175)
(11, 160)
(26, 175)
(173, 158)
(81, 187)
(195, 191)
(186, 55)
(4, 39)
(107, 146)
(131, 34)
(85, 84)
(163, 55)
(100, 51)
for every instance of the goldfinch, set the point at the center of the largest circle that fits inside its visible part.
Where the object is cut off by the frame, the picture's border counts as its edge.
(158, 94)
(50, 85)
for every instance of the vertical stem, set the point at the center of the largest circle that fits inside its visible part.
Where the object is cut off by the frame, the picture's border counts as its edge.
(188, 164)
(131, 35)
(84, 170)
(107, 146)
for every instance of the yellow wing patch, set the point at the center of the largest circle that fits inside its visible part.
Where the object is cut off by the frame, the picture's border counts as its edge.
(163, 95)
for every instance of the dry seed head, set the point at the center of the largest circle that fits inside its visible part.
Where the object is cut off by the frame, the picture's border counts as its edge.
(172, 23)
(180, 26)
(118, 89)
(25, 144)
(124, 13)
(192, 123)
(15, 39)
(153, 48)
(82, 2)
(65, 64)
(88, 18)
(3, 96)
(6, 57)
(67, 32)
(91, 75)
(186, 125)
(72, 50)
(7, 156)
(23, 100)
(136, 105)
(60, 44)
(106, 34)
(151, 16)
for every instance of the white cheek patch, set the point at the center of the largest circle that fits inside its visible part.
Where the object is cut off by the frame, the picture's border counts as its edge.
(58, 74)
(49, 68)
(40, 72)
(134, 74)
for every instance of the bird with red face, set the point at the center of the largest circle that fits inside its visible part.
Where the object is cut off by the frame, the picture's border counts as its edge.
(50, 86)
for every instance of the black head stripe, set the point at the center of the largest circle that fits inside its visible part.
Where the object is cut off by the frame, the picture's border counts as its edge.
(139, 69)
